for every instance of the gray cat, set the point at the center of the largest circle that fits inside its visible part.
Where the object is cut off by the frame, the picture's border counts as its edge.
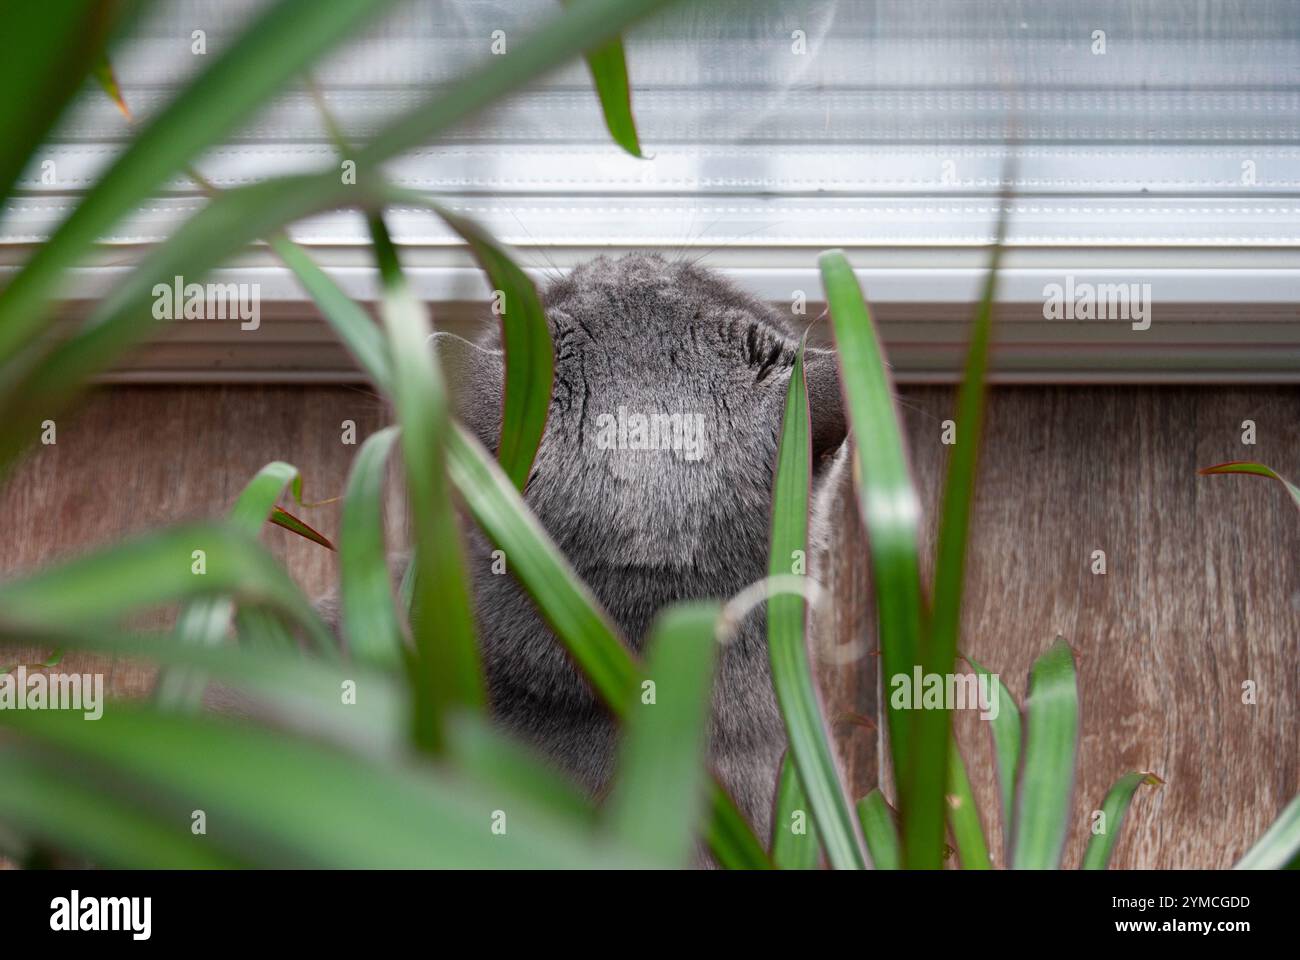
(654, 477)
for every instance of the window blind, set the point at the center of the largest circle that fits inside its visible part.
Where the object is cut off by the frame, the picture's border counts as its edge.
(1153, 145)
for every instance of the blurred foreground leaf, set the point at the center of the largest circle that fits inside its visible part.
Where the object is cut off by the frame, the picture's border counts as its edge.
(659, 793)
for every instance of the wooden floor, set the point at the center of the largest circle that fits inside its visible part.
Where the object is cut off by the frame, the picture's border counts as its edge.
(1201, 593)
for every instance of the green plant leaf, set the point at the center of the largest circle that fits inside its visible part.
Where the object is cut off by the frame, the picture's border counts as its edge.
(40, 382)
(46, 50)
(529, 353)
(608, 68)
(790, 850)
(251, 783)
(370, 621)
(525, 336)
(1047, 779)
(940, 642)
(659, 794)
(1253, 469)
(446, 672)
(1005, 728)
(63, 813)
(284, 519)
(560, 595)
(787, 616)
(1115, 808)
(207, 621)
(107, 79)
(964, 815)
(364, 340)
(730, 837)
(264, 630)
(284, 688)
(890, 511)
(582, 27)
(406, 589)
(499, 762)
(270, 52)
(880, 827)
(574, 614)
(257, 501)
(161, 568)
(1280, 844)
(40, 386)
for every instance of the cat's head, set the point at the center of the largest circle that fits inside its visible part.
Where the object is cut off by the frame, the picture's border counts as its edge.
(666, 408)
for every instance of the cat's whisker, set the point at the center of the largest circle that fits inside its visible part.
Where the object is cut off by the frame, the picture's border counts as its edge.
(733, 240)
(555, 272)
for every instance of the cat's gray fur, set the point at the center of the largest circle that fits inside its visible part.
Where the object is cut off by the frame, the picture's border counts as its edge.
(646, 528)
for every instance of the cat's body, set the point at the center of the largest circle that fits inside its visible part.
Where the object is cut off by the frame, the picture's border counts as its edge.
(646, 528)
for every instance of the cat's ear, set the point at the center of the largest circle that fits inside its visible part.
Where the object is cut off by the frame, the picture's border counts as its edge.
(825, 401)
(475, 378)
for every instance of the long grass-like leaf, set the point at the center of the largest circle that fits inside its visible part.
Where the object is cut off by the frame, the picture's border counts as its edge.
(207, 621)
(46, 51)
(880, 827)
(570, 608)
(658, 796)
(499, 762)
(794, 834)
(177, 564)
(349, 704)
(583, 26)
(574, 614)
(1253, 469)
(1047, 779)
(271, 51)
(378, 814)
(787, 617)
(890, 512)
(106, 77)
(964, 815)
(529, 353)
(940, 641)
(1279, 847)
(446, 671)
(42, 381)
(608, 67)
(39, 386)
(566, 603)
(730, 837)
(1006, 731)
(364, 340)
(1114, 808)
(525, 336)
(287, 521)
(370, 620)
(63, 813)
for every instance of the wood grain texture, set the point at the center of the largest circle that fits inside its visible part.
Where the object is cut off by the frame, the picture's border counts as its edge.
(1202, 590)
